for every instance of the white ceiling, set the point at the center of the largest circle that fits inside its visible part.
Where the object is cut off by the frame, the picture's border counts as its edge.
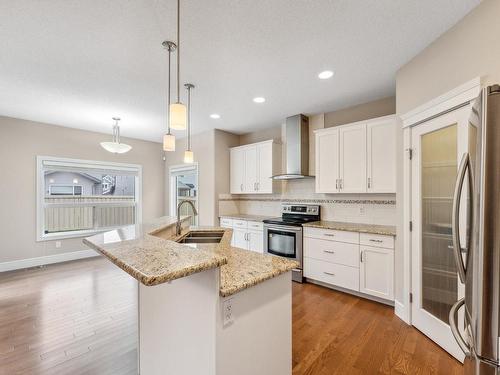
(78, 63)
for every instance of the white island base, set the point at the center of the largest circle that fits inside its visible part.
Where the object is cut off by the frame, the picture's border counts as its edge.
(182, 331)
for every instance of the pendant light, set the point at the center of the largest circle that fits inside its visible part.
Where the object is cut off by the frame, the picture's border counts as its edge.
(188, 154)
(115, 146)
(177, 109)
(168, 139)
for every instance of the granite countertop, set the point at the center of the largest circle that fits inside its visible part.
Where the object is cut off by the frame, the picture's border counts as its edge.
(247, 217)
(153, 260)
(387, 230)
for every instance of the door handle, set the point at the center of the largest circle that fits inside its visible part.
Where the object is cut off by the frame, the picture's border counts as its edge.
(453, 318)
(455, 219)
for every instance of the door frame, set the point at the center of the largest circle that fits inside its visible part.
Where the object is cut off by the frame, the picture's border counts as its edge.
(442, 104)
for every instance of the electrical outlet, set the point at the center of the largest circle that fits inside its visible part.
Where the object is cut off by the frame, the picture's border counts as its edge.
(58, 244)
(227, 311)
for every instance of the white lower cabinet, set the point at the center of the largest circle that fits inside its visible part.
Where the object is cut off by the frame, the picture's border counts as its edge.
(247, 235)
(239, 238)
(377, 272)
(332, 273)
(344, 259)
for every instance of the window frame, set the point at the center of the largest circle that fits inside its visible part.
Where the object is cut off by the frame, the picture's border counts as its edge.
(71, 186)
(40, 195)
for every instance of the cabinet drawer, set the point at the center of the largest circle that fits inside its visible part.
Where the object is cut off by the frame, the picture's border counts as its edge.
(240, 223)
(255, 225)
(332, 251)
(330, 273)
(333, 235)
(226, 222)
(377, 240)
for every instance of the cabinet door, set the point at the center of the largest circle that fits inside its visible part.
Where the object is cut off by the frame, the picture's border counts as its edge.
(256, 241)
(240, 239)
(353, 159)
(377, 272)
(250, 169)
(237, 171)
(381, 158)
(327, 161)
(265, 168)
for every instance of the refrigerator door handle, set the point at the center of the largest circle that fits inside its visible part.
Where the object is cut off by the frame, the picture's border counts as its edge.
(455, 220)
(454, 328)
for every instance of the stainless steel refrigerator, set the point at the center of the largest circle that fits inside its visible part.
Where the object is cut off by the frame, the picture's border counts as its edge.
(478, 257)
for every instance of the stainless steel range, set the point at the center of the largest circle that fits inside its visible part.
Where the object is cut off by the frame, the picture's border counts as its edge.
(283, 235)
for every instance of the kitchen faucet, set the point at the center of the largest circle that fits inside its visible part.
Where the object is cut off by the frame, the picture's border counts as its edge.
(178, 226)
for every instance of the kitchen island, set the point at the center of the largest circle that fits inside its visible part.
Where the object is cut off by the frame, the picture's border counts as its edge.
(205, 307)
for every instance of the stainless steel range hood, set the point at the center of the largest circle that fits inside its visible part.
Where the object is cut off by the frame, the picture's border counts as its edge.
(297, 149)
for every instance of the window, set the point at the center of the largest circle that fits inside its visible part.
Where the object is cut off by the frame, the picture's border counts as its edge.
(80, 197)
(184, 186)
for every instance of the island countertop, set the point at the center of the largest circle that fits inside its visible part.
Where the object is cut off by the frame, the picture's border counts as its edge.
(142, 253)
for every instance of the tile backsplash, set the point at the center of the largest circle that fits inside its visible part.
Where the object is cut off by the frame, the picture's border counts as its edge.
(358, 208)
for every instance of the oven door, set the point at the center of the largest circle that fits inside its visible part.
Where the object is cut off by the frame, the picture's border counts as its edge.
(285, 241)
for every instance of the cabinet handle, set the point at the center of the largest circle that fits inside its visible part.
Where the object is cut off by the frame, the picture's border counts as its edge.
(369, 183)
(329, 234)
(329, 251)
(329, 273)
(361, 256)
(241, 187)
(341, 184)
(337, 184)
(378, 241)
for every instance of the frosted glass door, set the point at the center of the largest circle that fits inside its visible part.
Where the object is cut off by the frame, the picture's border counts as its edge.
(438, 146)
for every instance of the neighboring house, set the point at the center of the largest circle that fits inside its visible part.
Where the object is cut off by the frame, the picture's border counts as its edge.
(185, 190)
(81, 184)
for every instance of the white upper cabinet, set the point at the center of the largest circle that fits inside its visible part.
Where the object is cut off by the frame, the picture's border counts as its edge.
(252, 167)
(352, 159)
(357, 158)
(327, 161)
(265, 167)
(381, 160)
(237, 170)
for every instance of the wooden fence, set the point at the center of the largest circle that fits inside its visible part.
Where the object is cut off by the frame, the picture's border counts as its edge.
(70, 213)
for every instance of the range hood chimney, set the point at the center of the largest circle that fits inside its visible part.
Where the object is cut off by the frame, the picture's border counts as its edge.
(297, 148)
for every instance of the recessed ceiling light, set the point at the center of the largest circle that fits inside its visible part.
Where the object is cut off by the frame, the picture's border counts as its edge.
(259, 99)
(215, 115)
(325, 74)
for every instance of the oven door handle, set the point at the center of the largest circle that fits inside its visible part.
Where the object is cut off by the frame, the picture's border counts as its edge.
(283, 228)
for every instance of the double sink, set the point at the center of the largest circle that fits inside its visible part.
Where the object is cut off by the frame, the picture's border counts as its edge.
(200, 236)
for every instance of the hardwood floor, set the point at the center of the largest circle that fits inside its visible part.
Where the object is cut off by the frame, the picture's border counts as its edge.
(73, 318)
(336, 333)
(81, 318)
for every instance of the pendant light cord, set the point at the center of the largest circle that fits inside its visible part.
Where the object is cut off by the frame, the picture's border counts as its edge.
(178, 48)
(189, 119)
(168, 90)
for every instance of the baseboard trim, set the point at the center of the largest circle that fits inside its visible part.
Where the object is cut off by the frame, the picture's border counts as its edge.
(400, 311)
(349, 291)
(49, 259)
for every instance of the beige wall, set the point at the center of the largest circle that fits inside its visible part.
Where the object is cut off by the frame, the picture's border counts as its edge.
(262, 135)
(211, 152)
(20, 142)
(365, 111)
(468, 50)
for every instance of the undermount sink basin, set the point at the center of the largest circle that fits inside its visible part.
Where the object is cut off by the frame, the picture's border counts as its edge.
(201, 237)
